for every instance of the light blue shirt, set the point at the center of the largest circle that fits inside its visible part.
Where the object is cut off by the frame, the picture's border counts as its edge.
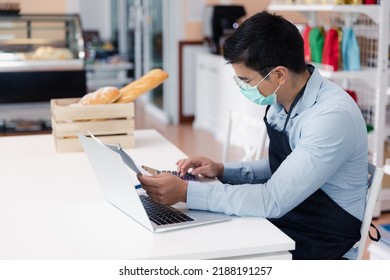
(328, 138)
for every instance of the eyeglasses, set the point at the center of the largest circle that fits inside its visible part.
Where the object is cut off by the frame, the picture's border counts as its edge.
(245, 84)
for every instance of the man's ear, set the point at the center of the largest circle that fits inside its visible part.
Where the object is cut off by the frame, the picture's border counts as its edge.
(281, 74)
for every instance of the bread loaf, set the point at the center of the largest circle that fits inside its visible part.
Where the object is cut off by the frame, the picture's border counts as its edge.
(104, 95)
(50, 53)
(147, 82)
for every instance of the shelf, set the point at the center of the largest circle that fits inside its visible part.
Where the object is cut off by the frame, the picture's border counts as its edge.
(95, 84)
(109, 67)
(367, 75)
(373, 11)
(41, 65)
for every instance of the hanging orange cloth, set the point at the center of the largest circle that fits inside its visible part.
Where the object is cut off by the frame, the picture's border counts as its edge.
(340, 31)
(330, 52)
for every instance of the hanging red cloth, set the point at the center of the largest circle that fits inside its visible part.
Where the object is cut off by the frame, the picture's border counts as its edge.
(331, 50)
(353, 94)
(306, 43)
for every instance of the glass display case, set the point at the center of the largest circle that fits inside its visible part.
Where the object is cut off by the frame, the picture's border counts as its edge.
(41, 57)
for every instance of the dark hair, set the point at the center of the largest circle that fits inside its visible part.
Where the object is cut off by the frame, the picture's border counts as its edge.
(265, 41)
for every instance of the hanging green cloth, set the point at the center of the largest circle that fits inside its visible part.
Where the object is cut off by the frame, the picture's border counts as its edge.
(316, 38)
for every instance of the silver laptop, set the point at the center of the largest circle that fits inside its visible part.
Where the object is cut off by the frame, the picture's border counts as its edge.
(114, 177)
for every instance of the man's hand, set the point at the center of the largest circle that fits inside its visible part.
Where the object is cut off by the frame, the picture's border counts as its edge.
(164, 188)
(200, 166)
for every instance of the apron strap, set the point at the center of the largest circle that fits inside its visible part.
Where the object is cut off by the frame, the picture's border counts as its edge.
(293, 105)
(291, 108)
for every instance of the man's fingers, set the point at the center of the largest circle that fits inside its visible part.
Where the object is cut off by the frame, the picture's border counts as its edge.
(183, 168)
(154, 197)
(202, 170)
(151, 189)
(152, 180)
(184, 164)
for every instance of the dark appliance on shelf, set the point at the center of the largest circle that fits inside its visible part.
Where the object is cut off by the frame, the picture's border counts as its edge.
(219, 21)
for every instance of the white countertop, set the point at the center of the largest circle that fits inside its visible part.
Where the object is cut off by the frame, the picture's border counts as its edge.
(52, 207)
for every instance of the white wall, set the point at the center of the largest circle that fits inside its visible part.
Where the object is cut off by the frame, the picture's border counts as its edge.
(95, 14)
(72, 6)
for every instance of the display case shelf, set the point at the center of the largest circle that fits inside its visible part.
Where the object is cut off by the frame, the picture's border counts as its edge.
(46, 65)
(26, 32)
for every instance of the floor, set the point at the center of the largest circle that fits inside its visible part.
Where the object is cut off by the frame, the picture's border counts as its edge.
(196, 142)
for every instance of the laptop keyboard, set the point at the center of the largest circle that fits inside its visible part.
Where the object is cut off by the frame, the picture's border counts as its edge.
(188, 176)
(161, 214)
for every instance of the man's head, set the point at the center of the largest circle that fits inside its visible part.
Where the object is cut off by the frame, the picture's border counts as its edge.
(265, 41)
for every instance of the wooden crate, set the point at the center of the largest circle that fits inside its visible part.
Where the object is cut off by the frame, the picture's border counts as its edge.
(112, 123)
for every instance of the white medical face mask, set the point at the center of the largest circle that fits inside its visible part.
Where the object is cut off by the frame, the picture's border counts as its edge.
(253, 93)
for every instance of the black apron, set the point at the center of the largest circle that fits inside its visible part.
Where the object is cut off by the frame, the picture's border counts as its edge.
(320, 228)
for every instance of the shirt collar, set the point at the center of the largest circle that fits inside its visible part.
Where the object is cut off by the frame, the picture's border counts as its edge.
(309, 96)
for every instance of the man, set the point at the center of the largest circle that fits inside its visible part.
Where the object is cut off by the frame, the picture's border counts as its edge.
(313, 184)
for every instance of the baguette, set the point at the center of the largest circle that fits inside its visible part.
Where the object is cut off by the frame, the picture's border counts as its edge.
(147, 82)
(104, 95)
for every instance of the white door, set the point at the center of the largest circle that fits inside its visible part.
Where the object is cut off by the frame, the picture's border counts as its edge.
(149, 32)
